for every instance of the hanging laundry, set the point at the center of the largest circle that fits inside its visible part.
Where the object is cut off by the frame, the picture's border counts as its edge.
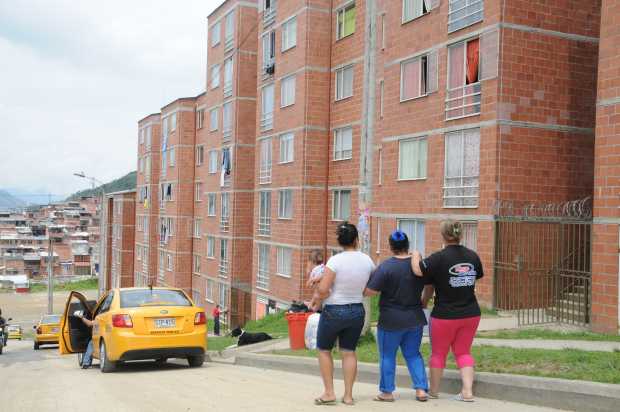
(226, 165)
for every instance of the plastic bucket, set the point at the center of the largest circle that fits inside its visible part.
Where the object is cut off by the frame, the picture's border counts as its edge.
(297, 329)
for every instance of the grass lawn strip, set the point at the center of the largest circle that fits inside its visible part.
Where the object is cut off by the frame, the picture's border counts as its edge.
(548, 334)
(564, 364)
(275, 325)
(88, 284)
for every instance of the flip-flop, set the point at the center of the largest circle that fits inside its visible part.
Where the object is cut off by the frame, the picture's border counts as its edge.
(459, 397)
(347, 403)
(323, 402)
(381, 399)
(421, 398)
(432, 395)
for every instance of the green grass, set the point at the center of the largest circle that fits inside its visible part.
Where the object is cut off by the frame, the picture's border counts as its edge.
(547, 334)
(88, 284)
(276, 325)
(565, 364)
(220, 343)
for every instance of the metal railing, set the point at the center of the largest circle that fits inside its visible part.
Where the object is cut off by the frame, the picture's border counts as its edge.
(228, 89)
(223, 268)
(264, 225)
(469, 13)
(229, 43)
(264, 175)
(224, 223)
(266, 121)
(262, 280)
(463, 101)
(269, 15)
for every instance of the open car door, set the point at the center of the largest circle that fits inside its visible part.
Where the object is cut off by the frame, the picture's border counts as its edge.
(74, 334)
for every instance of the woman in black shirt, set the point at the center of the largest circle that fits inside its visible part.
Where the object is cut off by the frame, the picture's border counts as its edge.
(452, 273)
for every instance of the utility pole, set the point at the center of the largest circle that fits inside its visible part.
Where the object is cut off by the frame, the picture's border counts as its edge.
(50, 273)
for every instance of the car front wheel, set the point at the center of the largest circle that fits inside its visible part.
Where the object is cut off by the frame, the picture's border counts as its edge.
(105, 365)
(196, 361)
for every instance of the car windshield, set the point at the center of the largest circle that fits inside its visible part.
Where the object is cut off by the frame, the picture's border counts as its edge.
(50, 319)
(153, 297)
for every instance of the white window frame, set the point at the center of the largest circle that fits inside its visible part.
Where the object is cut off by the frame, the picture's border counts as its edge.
(227, 118)
(209, 287)
(196, 264)
(285, 204)
(414, 241)
(266, 161)
(228, 76)
(172, 156)
(342, 85)
(200, 155)
(214, 116)
(216, 34)
(287, 90)
(198, 191)
(214, 158)
(284, 259)
(423, 4)
(337, 211)
(210, 247)
(211, 204)
(169, 262)
(200, 118)
(469, 237)
(224, 258)
(197, 232)
(266, 120)
(475, 185)
(264, 213)
(229, 27)
(340, 21)
(287, 148)
(263, 275)
(422, 161)
(289, 34)
(268, 45)
(473, 12)
(343, 143)
(215, 76)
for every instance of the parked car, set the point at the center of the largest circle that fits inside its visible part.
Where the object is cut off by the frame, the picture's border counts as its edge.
(47, 331)
(136, 324)
(15, 332)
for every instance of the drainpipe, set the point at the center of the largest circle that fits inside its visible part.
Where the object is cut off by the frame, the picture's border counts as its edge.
(367, 136)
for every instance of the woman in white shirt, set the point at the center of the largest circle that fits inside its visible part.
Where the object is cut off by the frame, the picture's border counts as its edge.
(341, 293)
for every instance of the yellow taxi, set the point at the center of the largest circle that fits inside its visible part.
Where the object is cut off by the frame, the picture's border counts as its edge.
(135, 324)
(47, 331)
(15, 332)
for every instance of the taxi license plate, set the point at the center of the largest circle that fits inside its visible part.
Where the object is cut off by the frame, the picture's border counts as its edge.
(54, 330)
(165, 323)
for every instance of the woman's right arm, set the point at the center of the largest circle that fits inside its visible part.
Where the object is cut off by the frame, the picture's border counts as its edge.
(415, 263)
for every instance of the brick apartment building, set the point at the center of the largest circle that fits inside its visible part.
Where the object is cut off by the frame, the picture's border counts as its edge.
(483, 111)
(120, 239)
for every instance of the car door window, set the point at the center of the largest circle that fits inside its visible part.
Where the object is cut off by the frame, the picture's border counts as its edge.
(105, 306)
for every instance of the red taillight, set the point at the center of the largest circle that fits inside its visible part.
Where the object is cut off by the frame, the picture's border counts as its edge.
(122, 321)
(39, 330)
(200, 318)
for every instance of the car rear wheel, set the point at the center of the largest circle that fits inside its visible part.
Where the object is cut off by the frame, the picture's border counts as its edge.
(160, 362)
(105, 365)
(196, 361)
(36, 346)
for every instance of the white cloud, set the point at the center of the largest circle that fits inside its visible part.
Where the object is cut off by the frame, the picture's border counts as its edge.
(77, 76)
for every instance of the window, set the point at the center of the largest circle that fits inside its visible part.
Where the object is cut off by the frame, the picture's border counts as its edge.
(227, 119)
(265, 161)
(213, 114)
(267, 102)
(166, 192)
(462, 168)
(213, 161)
(141, 136)
(169, 259)
(413, 9)
(148, 137)
(289, 34)
(225, 211)
(228, 77)
(341, 205)
(412, 155)
(262, 280)
(264, 213)
(269, 48)
(343, 143)
(287, 91)
(200, 155)
(229, 27)
(196, 264)
(223, 257)
(381, 97)
(200, 118)
(173, 122)
(223, 299)
(285, 204)
(215, 34)
(344, 82)
(418, 76)
(210, 247)
(270, 11)
(209, 292)
(287, 147)
(285, 261)
(211, 204)
(197, 191)
(172, 157)
(415, 232)
(197, 228)
(463, 13)
(345, 25)
(469, 237)
(215, 76)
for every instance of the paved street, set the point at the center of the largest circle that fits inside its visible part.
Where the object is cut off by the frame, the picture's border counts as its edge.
(44, 381)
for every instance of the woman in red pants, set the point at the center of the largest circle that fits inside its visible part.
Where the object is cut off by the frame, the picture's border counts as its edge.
(451, 273)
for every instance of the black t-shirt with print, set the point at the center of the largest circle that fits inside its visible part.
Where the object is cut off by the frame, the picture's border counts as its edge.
(453, 271)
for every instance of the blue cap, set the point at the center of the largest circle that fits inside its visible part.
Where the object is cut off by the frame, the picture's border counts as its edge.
(398, 236)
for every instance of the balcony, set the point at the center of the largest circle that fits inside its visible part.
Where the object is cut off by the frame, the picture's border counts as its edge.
(223, 269)
(464, 13)
(228, 89)
(463, 101)
(264, 225)
(229, 43)
(262, 280)
(264, 175)
(269, 15)
(224, 223)
(266, 122)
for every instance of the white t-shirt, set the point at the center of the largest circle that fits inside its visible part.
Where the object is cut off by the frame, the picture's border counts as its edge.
(352, 269)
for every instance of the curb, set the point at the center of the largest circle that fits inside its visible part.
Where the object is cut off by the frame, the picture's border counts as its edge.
(549, 392)
(267, 346)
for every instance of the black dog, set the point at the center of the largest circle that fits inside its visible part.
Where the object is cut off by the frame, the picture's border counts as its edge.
(247, 338)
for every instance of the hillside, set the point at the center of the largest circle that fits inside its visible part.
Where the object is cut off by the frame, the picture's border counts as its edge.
(127, 182)
(8, 201)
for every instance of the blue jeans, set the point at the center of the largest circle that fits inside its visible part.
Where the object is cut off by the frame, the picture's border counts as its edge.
(342, 322)
(87, 360)
(409, 342)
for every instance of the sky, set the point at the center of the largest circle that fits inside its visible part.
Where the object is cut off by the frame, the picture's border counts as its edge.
(76, 76)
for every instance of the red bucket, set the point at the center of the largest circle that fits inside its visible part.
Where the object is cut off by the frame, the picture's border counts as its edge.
(297, 329)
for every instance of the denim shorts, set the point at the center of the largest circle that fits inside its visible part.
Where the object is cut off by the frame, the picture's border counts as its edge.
(342, 322)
